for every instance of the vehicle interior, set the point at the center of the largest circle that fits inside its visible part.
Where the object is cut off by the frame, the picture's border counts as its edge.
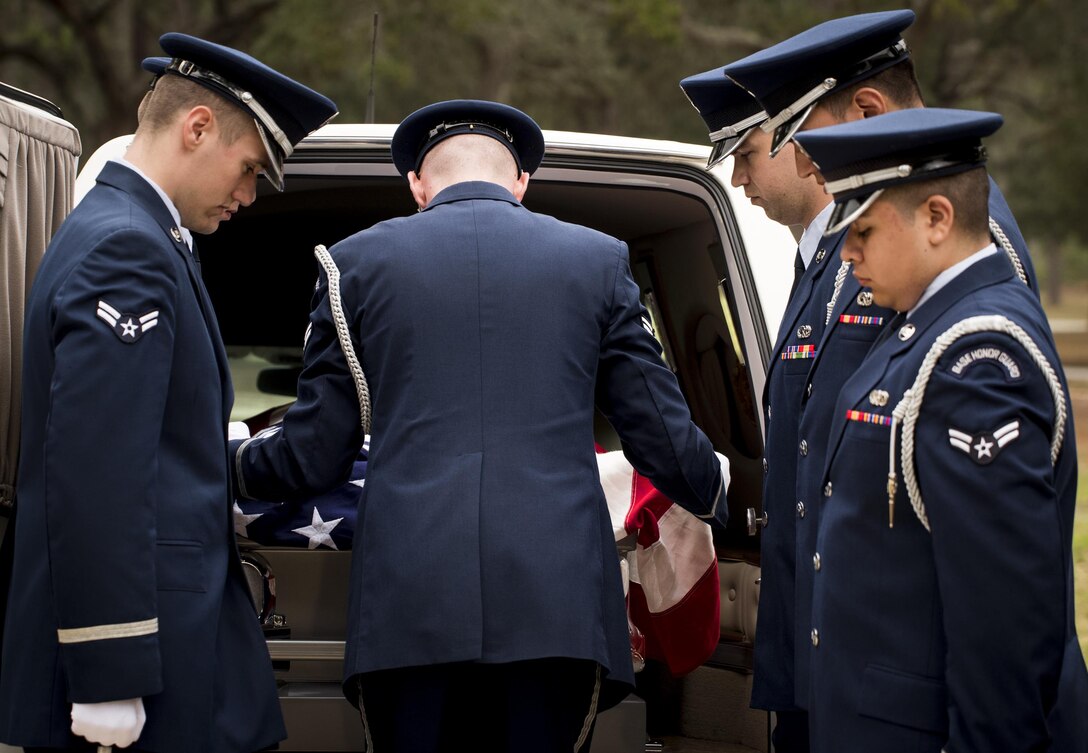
(260, 272)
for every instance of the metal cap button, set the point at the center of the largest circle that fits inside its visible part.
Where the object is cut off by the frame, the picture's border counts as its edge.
(827, 489)
(816, 562)
(800, 509)
(815, 637)
(804, 447)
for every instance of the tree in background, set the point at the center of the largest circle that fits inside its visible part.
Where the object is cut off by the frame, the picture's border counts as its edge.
(609, 66)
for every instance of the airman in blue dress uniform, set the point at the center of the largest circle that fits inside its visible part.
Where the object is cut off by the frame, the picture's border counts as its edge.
(486, 607)
(129, 621)
(942, 615)
(847, 68)
(804, 375)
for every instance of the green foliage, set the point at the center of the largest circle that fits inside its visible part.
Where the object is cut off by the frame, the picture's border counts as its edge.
(608, 66)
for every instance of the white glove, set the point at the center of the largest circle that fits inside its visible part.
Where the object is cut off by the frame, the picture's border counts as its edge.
(237, 430)
(116, 723)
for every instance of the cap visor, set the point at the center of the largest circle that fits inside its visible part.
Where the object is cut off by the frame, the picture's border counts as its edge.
(786, 131)
(274, 169)
(719, 150)
(847, 211)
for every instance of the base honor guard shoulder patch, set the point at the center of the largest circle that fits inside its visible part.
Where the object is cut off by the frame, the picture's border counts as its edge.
(985, 354)
(984, 448)
(128, 327)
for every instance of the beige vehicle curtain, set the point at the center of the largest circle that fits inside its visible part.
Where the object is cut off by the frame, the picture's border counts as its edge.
(38, 156)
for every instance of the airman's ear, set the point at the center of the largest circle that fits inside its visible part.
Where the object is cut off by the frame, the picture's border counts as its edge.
(419, 193)
(197, 126)
(869, 102)
(521, 185)
(939, 218)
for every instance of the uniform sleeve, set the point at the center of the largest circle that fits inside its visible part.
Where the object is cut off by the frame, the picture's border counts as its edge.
(321, 435)
(113, 325)
(639, 395)
(994, 505)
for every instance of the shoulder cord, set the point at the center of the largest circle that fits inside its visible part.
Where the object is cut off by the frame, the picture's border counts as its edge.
(909, 407)
(1003, 241)
(840, 278)
(361, 388)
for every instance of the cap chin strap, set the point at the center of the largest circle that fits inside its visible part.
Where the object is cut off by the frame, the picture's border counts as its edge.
(799, 106)
(189, 69)
(875, 176)
(732, 131)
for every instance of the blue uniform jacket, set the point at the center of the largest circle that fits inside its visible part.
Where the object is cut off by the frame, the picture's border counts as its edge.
(126, 579)
(802, 388)
(962, 639)
(815, 352)
(486, 332)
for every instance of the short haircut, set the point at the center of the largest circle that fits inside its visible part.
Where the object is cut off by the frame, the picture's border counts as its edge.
(173, 94)
(898, 83)
(471, 153)
(969, 193)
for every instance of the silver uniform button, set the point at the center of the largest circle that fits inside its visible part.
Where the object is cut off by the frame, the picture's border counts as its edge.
(804, 447)
(906, 332)
(808, 390)
(764, 465)
(768, 412)
(827, 489)
(800, 509)
(816, 562)
(815, 637)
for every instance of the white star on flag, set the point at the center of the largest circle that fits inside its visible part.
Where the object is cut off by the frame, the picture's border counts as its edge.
(318, 531)
(241, 520)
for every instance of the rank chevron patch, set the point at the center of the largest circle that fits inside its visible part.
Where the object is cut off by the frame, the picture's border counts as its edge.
(985, 447)
(128, 327)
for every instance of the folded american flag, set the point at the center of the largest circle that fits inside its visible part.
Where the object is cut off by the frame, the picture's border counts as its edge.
(325, 521)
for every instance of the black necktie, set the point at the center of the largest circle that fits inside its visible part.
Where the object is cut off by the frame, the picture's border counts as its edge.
(798, 271)
(896, 322)
(196, 258)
